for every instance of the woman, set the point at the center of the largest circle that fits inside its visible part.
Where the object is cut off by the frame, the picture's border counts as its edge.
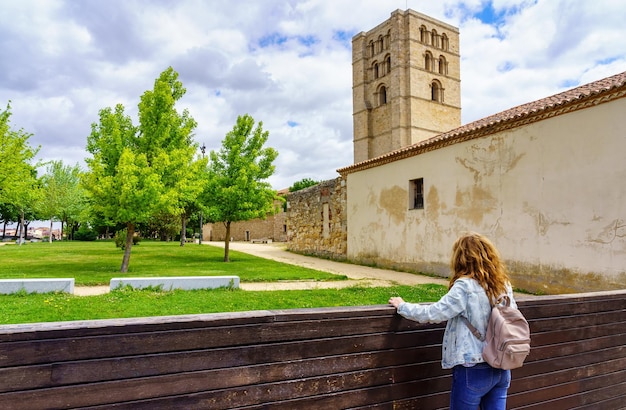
(479, 278)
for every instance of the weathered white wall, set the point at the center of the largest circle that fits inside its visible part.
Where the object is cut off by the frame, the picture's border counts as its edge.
(551, 195)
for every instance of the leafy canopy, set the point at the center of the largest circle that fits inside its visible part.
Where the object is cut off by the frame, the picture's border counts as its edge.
(303, 183)
(138, 172)
(18, 176)
(238, 189)
(238, 172)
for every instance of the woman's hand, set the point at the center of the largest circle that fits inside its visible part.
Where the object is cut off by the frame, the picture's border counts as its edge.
(396, 301)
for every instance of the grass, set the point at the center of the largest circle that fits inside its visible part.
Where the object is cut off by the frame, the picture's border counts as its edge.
(127, 303)
(95, 263)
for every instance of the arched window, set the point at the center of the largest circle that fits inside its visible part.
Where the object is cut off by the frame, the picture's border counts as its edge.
(443, 65)
(370, 47)
(375, 69)
(379, 44)
(387, 64)
(388, 40)
(445, 43)
(436, 91)
(435, 39)
(382, 95)
(424, 34)
(428, 61)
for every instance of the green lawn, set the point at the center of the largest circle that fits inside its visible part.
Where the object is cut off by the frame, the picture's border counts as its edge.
(95, 263)
(126, 303)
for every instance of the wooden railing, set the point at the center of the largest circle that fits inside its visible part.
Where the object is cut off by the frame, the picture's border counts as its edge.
(357, 358)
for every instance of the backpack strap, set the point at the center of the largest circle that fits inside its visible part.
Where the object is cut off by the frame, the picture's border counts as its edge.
(472, 329)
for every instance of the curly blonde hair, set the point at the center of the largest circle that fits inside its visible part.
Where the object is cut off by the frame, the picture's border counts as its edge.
(474, 256)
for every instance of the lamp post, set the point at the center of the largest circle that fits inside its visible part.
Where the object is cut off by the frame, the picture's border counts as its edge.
(202, 149)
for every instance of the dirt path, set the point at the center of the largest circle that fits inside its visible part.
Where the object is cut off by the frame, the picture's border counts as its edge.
(357, 274)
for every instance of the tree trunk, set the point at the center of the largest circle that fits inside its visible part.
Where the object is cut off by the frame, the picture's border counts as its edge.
(227, 242)
(50, 232)
(183, 230)
(130, 233)
(20, 239)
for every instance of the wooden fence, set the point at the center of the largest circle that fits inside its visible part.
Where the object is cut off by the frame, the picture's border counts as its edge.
(339, 358)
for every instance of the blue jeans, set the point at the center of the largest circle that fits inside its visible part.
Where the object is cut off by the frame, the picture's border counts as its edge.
(480, 386)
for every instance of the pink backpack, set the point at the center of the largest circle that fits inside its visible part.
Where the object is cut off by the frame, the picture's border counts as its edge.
(508, 336)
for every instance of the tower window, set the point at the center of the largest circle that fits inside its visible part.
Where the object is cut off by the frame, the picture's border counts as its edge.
(443, 65)
(382, 95)
(387, 64)
(375, 70)
(428, 61)
(435, 39)
(424, 34)
(416, 193)
(445, 44)
(436, 91)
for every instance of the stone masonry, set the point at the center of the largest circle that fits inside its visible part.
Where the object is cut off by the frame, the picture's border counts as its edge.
(316, 220)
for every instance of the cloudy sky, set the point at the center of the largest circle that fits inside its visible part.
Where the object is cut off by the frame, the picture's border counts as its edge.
(285, 62)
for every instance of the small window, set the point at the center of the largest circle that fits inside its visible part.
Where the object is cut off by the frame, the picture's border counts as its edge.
(436, 91)
(382, 95)
(443, 65)
(424, 34)
(428, 61)
(416, 193)
(445, 44)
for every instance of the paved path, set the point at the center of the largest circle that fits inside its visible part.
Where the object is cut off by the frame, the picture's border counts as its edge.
(357, 274)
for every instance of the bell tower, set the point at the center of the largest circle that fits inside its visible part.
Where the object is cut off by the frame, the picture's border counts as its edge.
(406, 83)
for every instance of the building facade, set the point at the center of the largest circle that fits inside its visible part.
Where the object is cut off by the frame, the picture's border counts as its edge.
(543, 180)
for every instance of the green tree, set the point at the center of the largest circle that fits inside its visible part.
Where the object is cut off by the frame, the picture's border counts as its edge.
(121, 186)
(303, 183)
(19, 185)
(166, 137)
(237, 187)
(63, 198)
(139, 172)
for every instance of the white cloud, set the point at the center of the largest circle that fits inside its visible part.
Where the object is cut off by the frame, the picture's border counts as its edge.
(285, 62)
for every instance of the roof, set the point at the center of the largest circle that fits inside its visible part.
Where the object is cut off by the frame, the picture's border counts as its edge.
(587, 95)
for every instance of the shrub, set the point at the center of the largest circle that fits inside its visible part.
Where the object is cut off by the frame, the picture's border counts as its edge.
(120, 239)
(85, 234)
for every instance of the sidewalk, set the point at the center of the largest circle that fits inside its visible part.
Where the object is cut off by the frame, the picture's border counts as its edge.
(357, 274)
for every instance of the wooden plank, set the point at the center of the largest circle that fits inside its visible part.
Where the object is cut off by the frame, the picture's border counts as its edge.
(93, 347)
(569, 396)
(83, 328)
(89, 371)
(190, 382)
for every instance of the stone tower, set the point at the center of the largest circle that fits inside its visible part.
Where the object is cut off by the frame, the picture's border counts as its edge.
(406, 83)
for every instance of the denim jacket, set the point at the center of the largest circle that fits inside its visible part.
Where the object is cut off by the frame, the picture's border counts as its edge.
(465, 298)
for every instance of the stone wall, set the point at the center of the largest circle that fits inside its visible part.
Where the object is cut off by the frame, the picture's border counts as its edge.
(316, 220)
(272, 227)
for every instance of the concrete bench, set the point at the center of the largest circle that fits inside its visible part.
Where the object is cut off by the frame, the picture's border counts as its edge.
(8, 286)
(178, 282)
(262, 240)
